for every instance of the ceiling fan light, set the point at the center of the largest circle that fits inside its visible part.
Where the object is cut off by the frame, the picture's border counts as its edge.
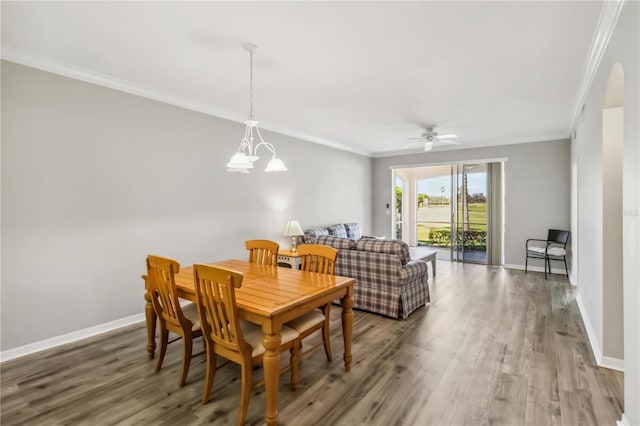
(428, 145)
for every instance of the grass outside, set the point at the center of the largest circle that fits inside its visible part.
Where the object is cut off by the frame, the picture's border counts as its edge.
(439, 216)
(434, 227)
(477, 216)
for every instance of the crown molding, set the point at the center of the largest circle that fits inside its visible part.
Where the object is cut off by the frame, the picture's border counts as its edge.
(604, 29)
(478, 145)
(56, 67)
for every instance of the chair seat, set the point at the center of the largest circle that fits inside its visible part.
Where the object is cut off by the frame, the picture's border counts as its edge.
(551, 251)
(190, 311)
(307, 321)
(253, 335)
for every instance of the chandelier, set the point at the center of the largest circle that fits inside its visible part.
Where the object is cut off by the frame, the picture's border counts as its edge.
(242, 161)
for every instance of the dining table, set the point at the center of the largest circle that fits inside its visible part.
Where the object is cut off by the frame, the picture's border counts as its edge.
(271, 296)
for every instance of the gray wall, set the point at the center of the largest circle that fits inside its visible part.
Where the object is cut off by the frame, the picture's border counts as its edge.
(623, 48)
(537, 189)
(94, 179)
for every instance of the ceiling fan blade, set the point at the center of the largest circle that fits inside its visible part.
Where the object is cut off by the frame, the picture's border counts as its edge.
(449, 136)
(450, 141)
(419, 140)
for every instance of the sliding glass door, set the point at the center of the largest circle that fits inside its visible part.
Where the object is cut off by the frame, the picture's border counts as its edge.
(469, 213)
(454, 208)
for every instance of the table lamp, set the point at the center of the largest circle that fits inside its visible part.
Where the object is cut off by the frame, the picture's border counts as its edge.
(293, 230)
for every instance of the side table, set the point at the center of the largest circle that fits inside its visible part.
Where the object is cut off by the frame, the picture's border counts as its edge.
(287, 258)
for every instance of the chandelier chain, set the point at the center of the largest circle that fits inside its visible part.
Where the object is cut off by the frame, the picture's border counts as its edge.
(251, 85)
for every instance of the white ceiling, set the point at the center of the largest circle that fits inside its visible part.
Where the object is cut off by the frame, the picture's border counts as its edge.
(362, 76)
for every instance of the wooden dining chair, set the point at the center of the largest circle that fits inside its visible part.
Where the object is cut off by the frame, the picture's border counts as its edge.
(227, 335)
(182, 321)
(321, 259)
(264, 252)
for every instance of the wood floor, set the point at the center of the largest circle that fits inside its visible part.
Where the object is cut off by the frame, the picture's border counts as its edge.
(494, 347)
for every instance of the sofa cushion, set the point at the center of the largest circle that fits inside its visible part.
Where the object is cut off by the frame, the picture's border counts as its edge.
(397, 247)
(353, 231)
(310, 235)
(338, 230)
(338, 243)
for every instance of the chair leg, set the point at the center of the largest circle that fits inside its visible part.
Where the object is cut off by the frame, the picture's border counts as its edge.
(548, 263)
(187, 347)
(247, 371)
(566, 270)
(326, 333)
(526, 263)
(212, 359)
(164, 339)
(294, 361)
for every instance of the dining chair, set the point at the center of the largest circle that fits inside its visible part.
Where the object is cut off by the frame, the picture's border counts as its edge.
(264, 252)
(182, 321)
(227, 335)
(321, 259)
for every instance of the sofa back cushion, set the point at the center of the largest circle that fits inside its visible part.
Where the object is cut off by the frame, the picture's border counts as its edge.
(310, 235)
(338, 243)
(396, 247)
(353, 231)
(338, 230)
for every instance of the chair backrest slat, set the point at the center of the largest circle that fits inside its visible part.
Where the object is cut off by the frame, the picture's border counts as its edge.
(263, 252)
(216, 299)
(318, 258)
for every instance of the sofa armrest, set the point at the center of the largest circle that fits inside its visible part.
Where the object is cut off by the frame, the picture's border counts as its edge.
(413, 269)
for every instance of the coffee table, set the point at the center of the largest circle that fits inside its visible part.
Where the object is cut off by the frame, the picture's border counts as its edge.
(427, 254)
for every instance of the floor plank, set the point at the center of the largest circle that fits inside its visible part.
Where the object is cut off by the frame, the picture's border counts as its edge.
(494, 347)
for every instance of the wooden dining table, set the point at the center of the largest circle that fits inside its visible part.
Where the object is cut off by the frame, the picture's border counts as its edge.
(270, 296)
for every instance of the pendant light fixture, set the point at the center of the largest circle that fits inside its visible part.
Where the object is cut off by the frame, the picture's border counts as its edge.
(242, 161)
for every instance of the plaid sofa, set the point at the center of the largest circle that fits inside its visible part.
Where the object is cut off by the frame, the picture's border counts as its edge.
(387, 281)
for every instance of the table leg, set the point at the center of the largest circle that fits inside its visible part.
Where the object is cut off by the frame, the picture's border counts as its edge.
(347, 328)
(433, 264)
(150, 315)
(271, 364)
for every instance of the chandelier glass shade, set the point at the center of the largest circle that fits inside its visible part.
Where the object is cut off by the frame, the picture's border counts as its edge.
(247, 154)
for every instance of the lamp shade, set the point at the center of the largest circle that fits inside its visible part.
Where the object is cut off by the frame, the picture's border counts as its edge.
(239, 161)
(293, 229)
(276, 165)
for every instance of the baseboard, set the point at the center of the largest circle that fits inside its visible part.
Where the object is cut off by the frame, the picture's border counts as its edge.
(612, 363)
(69, 338)
(534, 268)
(591, 334)
(624, 421)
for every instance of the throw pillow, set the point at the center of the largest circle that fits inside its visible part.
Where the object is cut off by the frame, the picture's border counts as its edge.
(353, 231)
(310, 235)
(338, 230)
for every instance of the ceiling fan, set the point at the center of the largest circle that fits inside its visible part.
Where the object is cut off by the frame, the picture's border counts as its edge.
(430, 136)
